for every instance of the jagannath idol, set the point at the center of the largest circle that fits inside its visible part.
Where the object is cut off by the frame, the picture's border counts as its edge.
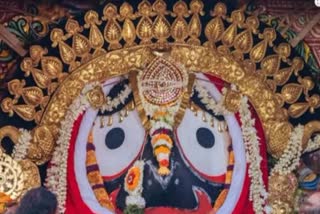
(156, 111)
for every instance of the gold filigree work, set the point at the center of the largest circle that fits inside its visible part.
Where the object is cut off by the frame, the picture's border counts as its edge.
(149, 28)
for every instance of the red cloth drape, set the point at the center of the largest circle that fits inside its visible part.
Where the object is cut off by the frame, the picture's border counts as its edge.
(74, 202)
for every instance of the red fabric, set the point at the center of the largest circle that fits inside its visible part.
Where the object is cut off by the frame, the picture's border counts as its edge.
(74, 202)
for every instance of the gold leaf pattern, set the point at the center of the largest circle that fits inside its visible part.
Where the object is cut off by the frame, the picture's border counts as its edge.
(112, 34)
(179, 28)
(279, 136)
(291, 92)
(128, 32)
(52, 66)
(229, 35)
(80, 45)
(282, 76)
(112, 30)
(270, 64)
(244, 41)
(144, 30)
(195, 26)
(215, 28)
(32, 96)
(237, 19)
(40, 78)
(161, 28)
(95, 36)
(259, 51)
(27, 112)
(128, 28)
(298, 109)
(67, 53)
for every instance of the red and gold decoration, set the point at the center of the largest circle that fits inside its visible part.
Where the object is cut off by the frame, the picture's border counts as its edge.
(161, 51)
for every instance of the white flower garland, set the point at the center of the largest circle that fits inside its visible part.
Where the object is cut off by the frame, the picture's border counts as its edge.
(209, 102)
(289, 160)
(313, 144)
(21, 148)
(258, 193)
(57, 173)
(120, 99)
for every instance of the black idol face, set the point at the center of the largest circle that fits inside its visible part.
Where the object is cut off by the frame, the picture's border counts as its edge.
(198, 161)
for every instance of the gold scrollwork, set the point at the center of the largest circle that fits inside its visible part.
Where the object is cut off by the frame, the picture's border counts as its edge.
(194, 59)
(229, 61)
(282, 191)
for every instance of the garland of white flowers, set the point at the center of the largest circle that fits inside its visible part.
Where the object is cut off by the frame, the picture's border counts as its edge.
(120, 99)
(21, 148)
(289, 160)
(57, 173)
(258, 193)
(208, 101)
(313, 144)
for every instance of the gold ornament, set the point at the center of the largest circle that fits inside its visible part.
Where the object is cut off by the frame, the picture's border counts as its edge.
(12, 177)
(232, 100)
(96, 97)
(88, 60)
(282, 193)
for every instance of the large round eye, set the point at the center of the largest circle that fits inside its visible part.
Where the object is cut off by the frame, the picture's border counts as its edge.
(115, 138)
(118, 145)
(204, 147)
(205, 137)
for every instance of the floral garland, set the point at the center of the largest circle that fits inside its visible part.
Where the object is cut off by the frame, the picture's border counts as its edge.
(258, 193)
(112, 103)
(313, 144)
(162, 122)
(21, 148)
(289, 160)
(133, 185)
(209, 102)
(57, 173)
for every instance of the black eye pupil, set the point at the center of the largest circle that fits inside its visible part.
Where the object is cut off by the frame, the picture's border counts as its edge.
(114, 138)
(205, 138)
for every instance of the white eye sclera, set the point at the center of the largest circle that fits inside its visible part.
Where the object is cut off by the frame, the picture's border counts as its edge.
(203, 147)
(118, 145)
